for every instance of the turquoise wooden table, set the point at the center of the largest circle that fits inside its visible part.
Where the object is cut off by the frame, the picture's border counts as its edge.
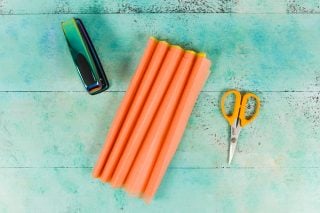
(271, 47)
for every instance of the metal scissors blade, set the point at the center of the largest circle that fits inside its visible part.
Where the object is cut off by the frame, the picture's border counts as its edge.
(235, 132)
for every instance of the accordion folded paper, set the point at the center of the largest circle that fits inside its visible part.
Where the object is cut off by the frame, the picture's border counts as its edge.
(124, 107)
(135, 110)
(152, 117)
(141, 170)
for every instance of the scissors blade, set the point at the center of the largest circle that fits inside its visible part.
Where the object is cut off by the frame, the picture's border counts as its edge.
(232, 149)
(235, 131)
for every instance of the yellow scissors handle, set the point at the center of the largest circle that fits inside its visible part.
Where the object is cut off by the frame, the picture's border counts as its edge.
(231, 118)
(242, 115)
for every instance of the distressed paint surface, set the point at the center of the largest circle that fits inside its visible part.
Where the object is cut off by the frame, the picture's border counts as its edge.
(159, 6)
(268, 52)
(303, 6)
(13, 7)
(115, 6)
(51, 131)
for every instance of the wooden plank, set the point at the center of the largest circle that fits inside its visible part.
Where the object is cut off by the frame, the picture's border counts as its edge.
(14, 7)
(114, 6)
(61, 129)
(251, 52)
(213, 190)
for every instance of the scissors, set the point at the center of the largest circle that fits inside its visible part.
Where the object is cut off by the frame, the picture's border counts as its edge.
(238, 118)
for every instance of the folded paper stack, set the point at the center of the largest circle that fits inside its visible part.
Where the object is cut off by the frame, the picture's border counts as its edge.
(152, 117)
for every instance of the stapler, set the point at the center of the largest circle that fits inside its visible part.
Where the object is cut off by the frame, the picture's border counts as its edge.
(85, 56)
